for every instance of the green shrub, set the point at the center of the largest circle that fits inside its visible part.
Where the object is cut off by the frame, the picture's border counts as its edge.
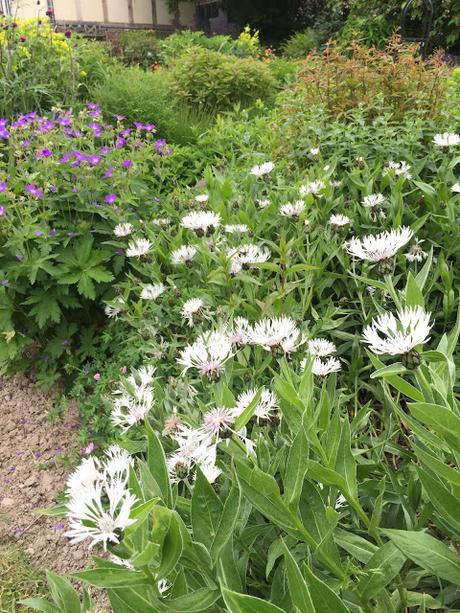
(178, 43)
(140, 47)
(300, 44)
(208, 80)
(147, 97)
(366, 30)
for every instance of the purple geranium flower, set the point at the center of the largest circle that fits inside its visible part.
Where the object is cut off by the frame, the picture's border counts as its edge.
(110, 198)
(36, 192)
(127, 163)
(3, 186)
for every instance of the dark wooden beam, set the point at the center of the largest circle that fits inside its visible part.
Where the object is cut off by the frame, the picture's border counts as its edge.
(130, 11)
(154, 12)
(105, 10)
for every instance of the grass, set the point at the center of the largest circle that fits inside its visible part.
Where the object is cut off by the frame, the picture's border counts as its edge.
(19, 579)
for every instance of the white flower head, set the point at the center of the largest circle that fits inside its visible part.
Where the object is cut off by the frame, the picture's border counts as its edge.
(100, 503)
(202, 198)
(313, 187)
(183, 255)
(90, 516)
(133, 399)
(398, 336)
(321, 347)
(373, 200)
(208, 354)
(113, 310)
(380, 247)
(191, 309)
(247, 256)
(339, 221)
(240, 331)
(161, 221)
(123, 229)
(216, 420)
(201, 221)
(446, 139)
(268, 403)
(292, 210)
(279, 333)
(323, 367)
(314, 151)
(138, 248)
(262, 169)
(456, 188)
(263, 203)
(416, 253)
(399, 169)
(152, 292)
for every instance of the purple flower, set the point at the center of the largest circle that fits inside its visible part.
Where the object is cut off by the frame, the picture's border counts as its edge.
(4, 133)
(59, 526)
(3, 186)
(4, 282)
(20, 257)
(67, 33)
(44, 153)
(36, 192)
(119, 251)
(53, 232)
(119, 117)
(71, 234)
(105, 150)
(110, 198)
(65, 158)
(94, 159)
(120, 142)
(37, 232)
(25, 143)
(109, 172)
(2, 211)
(65, 342)
(127, 163)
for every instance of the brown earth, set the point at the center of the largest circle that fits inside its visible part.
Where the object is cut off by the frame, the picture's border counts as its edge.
(37, 454)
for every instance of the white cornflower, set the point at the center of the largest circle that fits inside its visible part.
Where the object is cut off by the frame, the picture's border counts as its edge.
(121, 562)
(456, 188)
(292, 210)
(335, 183)
(339, 221)
(123, 229)
(323, 367)
(277, 333)
(247, 256)
(183, 255)
(216, 420)
(138, 248)
(314, 151)
(114, 309)
(416, 253)
(268, 403)
(90, 516)
(202, 198)
(134, 399)
(399, 169)
(373, 200)
(263, 203)
(398, 336)
(87, 473)
(380, 247)
(117, 463)
(240, 331)
(447, 139)
(321, 347)
(179, 465)
(313, 187)
(239, 228)
(201, 221)
(191, 308)
(152, 292)
(208, 354)
(210, 471)
(263, 169)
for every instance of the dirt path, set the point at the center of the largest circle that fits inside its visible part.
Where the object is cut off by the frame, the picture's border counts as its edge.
(35, 459)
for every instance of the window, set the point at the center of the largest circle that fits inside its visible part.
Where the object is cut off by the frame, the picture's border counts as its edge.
(5, 7)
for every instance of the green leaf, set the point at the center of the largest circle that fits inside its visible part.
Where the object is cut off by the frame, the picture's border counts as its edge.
(413, 294)
(200, 600)
(355, 545)
(65, 597)
(428, 552)
(241, 603)
(131, 600)
(298, 589)
(156, 461)
(112, 577)
(383, 566)
(40, 604)
(100, 274)
(388, 371)
(444, 503)
(227, 522)
(206, 511)
(324, 599)
(296, 467)
(167, 532)
(442, 420)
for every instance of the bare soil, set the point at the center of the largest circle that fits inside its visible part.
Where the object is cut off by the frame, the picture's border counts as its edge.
(37, 454)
